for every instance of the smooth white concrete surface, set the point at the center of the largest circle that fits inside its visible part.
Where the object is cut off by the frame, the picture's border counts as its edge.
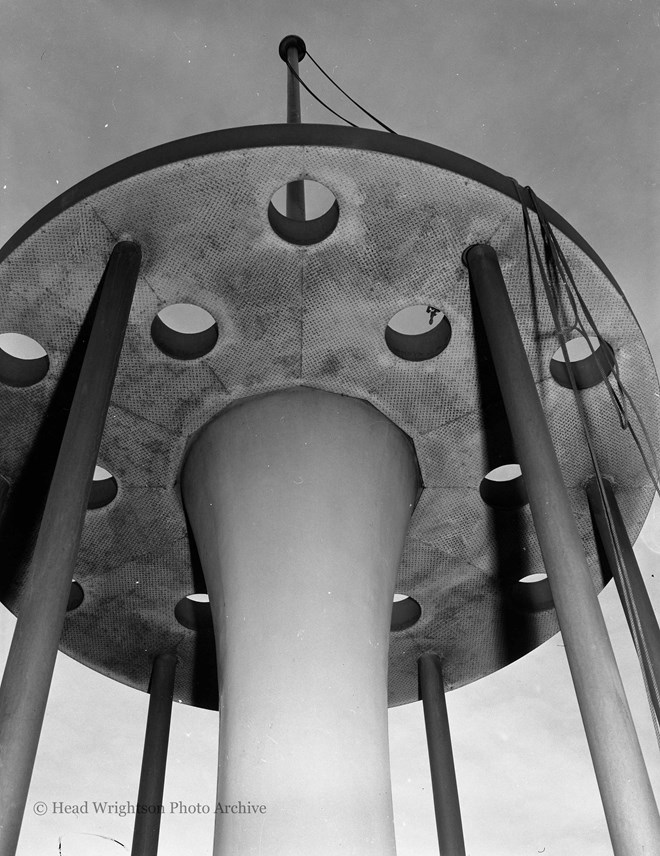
(299, 501)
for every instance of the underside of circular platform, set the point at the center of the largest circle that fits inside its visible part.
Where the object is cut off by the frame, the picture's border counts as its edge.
(304, 315)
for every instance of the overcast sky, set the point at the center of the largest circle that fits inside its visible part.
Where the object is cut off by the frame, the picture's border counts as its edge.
(562, 95)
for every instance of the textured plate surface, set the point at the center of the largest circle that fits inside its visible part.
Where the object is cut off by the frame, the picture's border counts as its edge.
(315, 316)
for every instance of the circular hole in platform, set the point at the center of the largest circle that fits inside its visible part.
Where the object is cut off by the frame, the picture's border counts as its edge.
(103, 489)
(418, 333)
(76, 596)
(504, 487)
(590, 364)
(23, 361)
(405, 612)
(321, 214)
(184, 331)
(532, 593)
(194, 612)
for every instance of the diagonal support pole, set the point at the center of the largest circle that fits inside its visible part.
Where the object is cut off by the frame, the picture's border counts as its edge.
(636, 595)
(441, 758)
(29, 670)
(630, 808)
(154, 758)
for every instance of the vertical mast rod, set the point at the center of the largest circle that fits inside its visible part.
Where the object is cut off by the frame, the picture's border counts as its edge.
(292, 50)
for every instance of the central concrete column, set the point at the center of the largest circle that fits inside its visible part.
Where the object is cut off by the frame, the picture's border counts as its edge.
(299, 502)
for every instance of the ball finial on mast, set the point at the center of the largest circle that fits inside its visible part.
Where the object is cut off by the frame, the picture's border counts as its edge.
(292, 42)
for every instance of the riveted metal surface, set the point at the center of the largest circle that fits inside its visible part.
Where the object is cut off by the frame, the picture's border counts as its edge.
(315, 316)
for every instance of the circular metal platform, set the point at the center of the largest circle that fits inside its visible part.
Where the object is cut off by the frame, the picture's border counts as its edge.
(314, 315)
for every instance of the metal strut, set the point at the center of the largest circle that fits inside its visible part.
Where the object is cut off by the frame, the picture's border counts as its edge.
(292, 50)
(29, 669)
(630, 808)
(441, 758)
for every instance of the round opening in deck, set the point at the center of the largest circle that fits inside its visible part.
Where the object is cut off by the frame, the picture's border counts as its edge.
(504, 487)
(591, 359)
(405, 612)
(23, 361)
(103, 489)
(76, 596)
(418, 332)
(194, 612)
(184, 331)
(532, 593)
(321, 213)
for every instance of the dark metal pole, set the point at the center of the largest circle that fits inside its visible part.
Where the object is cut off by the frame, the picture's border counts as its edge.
(292, 50)
(4, 493)
(441, 758)
(638, 593)
(630, 808)
(154, 758)
(29, 669)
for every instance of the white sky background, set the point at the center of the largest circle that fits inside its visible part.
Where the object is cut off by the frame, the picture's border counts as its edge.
(562, 95)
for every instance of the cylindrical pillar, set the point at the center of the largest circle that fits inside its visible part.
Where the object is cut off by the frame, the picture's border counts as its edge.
(441, 757)
(299, 502)
(637, 594)
(630, 808)
(29, 668)
(154, 758)
(295, 190)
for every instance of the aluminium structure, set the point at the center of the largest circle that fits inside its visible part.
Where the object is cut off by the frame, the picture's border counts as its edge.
(305, 455)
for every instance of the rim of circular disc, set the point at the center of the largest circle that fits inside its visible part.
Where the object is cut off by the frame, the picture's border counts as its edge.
(260, 136)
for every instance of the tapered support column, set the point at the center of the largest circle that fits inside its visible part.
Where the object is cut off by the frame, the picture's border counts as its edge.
(630, 808)
(154, 759)
(441, 757)
(29, 668)
(299, 502)
(644, 620)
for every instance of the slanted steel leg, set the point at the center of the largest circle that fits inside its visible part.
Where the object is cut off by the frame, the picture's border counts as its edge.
(630, 808)
(638, 593)
(441, 758)
(29, 668)
(154, 758)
